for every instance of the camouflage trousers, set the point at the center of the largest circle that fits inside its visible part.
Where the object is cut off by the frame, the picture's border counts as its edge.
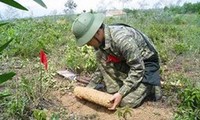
(136, 96)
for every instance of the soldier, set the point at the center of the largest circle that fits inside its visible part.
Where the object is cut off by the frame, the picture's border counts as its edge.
(128, 63)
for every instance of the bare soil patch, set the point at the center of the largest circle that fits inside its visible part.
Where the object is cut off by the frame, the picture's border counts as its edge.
(149, 110)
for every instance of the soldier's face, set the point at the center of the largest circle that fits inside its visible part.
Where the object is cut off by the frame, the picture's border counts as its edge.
(96, 39)
(93, 43)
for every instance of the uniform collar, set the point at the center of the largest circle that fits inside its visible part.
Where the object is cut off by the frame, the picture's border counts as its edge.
(107, 37)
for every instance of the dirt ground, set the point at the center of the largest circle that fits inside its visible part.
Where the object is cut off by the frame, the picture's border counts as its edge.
(149, 110)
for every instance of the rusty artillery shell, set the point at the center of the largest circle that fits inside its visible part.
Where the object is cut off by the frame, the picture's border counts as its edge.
(93, 95)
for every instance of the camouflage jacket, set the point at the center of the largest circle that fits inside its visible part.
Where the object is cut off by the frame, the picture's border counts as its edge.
(129, 46)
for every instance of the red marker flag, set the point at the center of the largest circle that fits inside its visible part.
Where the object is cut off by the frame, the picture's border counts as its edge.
(43, 59)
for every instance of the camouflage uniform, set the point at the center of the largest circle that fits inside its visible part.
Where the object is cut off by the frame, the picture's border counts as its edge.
(137, 72)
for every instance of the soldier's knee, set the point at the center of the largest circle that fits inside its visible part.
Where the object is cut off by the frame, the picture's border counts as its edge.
(130, 103)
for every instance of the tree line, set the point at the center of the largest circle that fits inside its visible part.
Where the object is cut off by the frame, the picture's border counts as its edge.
(186, 8)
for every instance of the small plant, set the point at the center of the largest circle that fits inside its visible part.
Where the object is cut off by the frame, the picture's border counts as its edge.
(39, 114)
(123, 112)
(55, 116)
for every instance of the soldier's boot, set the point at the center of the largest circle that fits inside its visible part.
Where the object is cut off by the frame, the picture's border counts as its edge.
(156, 92)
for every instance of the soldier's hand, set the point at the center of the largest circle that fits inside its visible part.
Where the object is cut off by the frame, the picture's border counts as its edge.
(116, 99)
(79, 97)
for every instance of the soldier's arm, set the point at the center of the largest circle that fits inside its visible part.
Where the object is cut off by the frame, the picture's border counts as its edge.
(96, 78)
(130, 51)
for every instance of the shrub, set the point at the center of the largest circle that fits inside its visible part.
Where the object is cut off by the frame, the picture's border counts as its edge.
(80, 58)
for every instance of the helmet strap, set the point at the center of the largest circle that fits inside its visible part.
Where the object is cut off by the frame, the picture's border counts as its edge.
(97, 40)
(101, 43)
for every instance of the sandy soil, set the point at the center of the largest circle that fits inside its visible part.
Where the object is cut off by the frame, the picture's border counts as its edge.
(149, 110)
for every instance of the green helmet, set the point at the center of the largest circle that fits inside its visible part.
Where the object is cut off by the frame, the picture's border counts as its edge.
(85, 27)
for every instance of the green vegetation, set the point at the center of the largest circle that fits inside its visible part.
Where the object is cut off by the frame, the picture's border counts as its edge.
(123, 113)
(188, 108)
(29, 36)
(175, 34)
(186, 8)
